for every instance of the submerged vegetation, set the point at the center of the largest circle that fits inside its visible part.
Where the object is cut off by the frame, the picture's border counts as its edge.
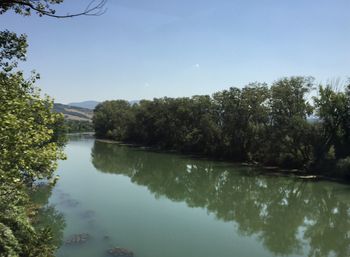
(263, 124)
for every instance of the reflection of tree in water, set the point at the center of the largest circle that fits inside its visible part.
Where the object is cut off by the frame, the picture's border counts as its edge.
(274, 209)
(48, 216)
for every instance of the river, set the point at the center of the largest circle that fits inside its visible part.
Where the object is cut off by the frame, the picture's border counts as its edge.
(170, 205)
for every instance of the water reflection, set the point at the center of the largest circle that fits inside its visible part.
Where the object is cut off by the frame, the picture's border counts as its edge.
(48, 216)
(289, 216)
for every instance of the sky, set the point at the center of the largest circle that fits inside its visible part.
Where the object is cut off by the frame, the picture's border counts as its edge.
(141, 49)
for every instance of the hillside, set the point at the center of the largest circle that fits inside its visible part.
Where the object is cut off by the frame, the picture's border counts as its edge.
(74, 113)
(85, 104)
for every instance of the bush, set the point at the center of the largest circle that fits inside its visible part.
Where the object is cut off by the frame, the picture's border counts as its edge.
(343, 167)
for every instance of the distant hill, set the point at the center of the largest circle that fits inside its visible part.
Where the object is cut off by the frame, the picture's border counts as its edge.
(92, 104)
(73, 112)
(85, 104)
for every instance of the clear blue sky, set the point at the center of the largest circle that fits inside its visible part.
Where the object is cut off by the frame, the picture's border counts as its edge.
(153, 48)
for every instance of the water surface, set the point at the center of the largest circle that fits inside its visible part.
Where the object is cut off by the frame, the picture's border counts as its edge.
(168, 205)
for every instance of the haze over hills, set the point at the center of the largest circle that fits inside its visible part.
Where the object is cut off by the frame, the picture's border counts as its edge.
(85, 104)
(77, 111)
(91, 104)
(73, 112)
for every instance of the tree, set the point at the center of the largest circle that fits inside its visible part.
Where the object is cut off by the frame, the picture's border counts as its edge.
(13, 48)
(111, 119)
(243, 117)
(289, 126)
(45, 8)
(30, 138)
(29, 150)
(230, 119)
(255, 107)
(27, 127)
(257, 124)
(333, 148)
(333, 110)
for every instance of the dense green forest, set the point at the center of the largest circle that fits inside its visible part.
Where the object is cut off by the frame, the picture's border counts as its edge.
(78, 126)
(277, 125)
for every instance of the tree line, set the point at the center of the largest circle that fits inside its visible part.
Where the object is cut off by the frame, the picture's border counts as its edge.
(78, 126)
(278, 125)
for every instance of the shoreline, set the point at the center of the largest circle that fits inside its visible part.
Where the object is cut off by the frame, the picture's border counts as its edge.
(91, 133)
(267, 170)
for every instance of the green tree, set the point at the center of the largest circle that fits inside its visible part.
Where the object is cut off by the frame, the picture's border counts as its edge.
(228, 104)
(46, 8)
(111, 119)
(30, 138)
(243, 117)
(76, 126)
(13, 48)
(289, 127)
(333, 108)
(29, 150)
(258, 124)
(26, 120)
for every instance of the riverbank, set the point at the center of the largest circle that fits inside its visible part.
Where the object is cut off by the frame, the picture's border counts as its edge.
(90, 133)
(135, 199)
(267, 170)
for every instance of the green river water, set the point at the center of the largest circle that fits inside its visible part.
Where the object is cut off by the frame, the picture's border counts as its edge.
(169, 205)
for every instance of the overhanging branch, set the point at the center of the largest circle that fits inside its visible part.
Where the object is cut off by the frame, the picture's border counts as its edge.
(94, 8)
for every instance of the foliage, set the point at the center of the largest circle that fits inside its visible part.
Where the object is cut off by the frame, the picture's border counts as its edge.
(268, 125)
(289, 129)
(111, 118)
(333, 108)
(12, 49)
(343, 166)
(31, 139)
(78, 126)
(30, 145)
(26, 123)
(17, 235)
(24, 7)
(47, 8)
